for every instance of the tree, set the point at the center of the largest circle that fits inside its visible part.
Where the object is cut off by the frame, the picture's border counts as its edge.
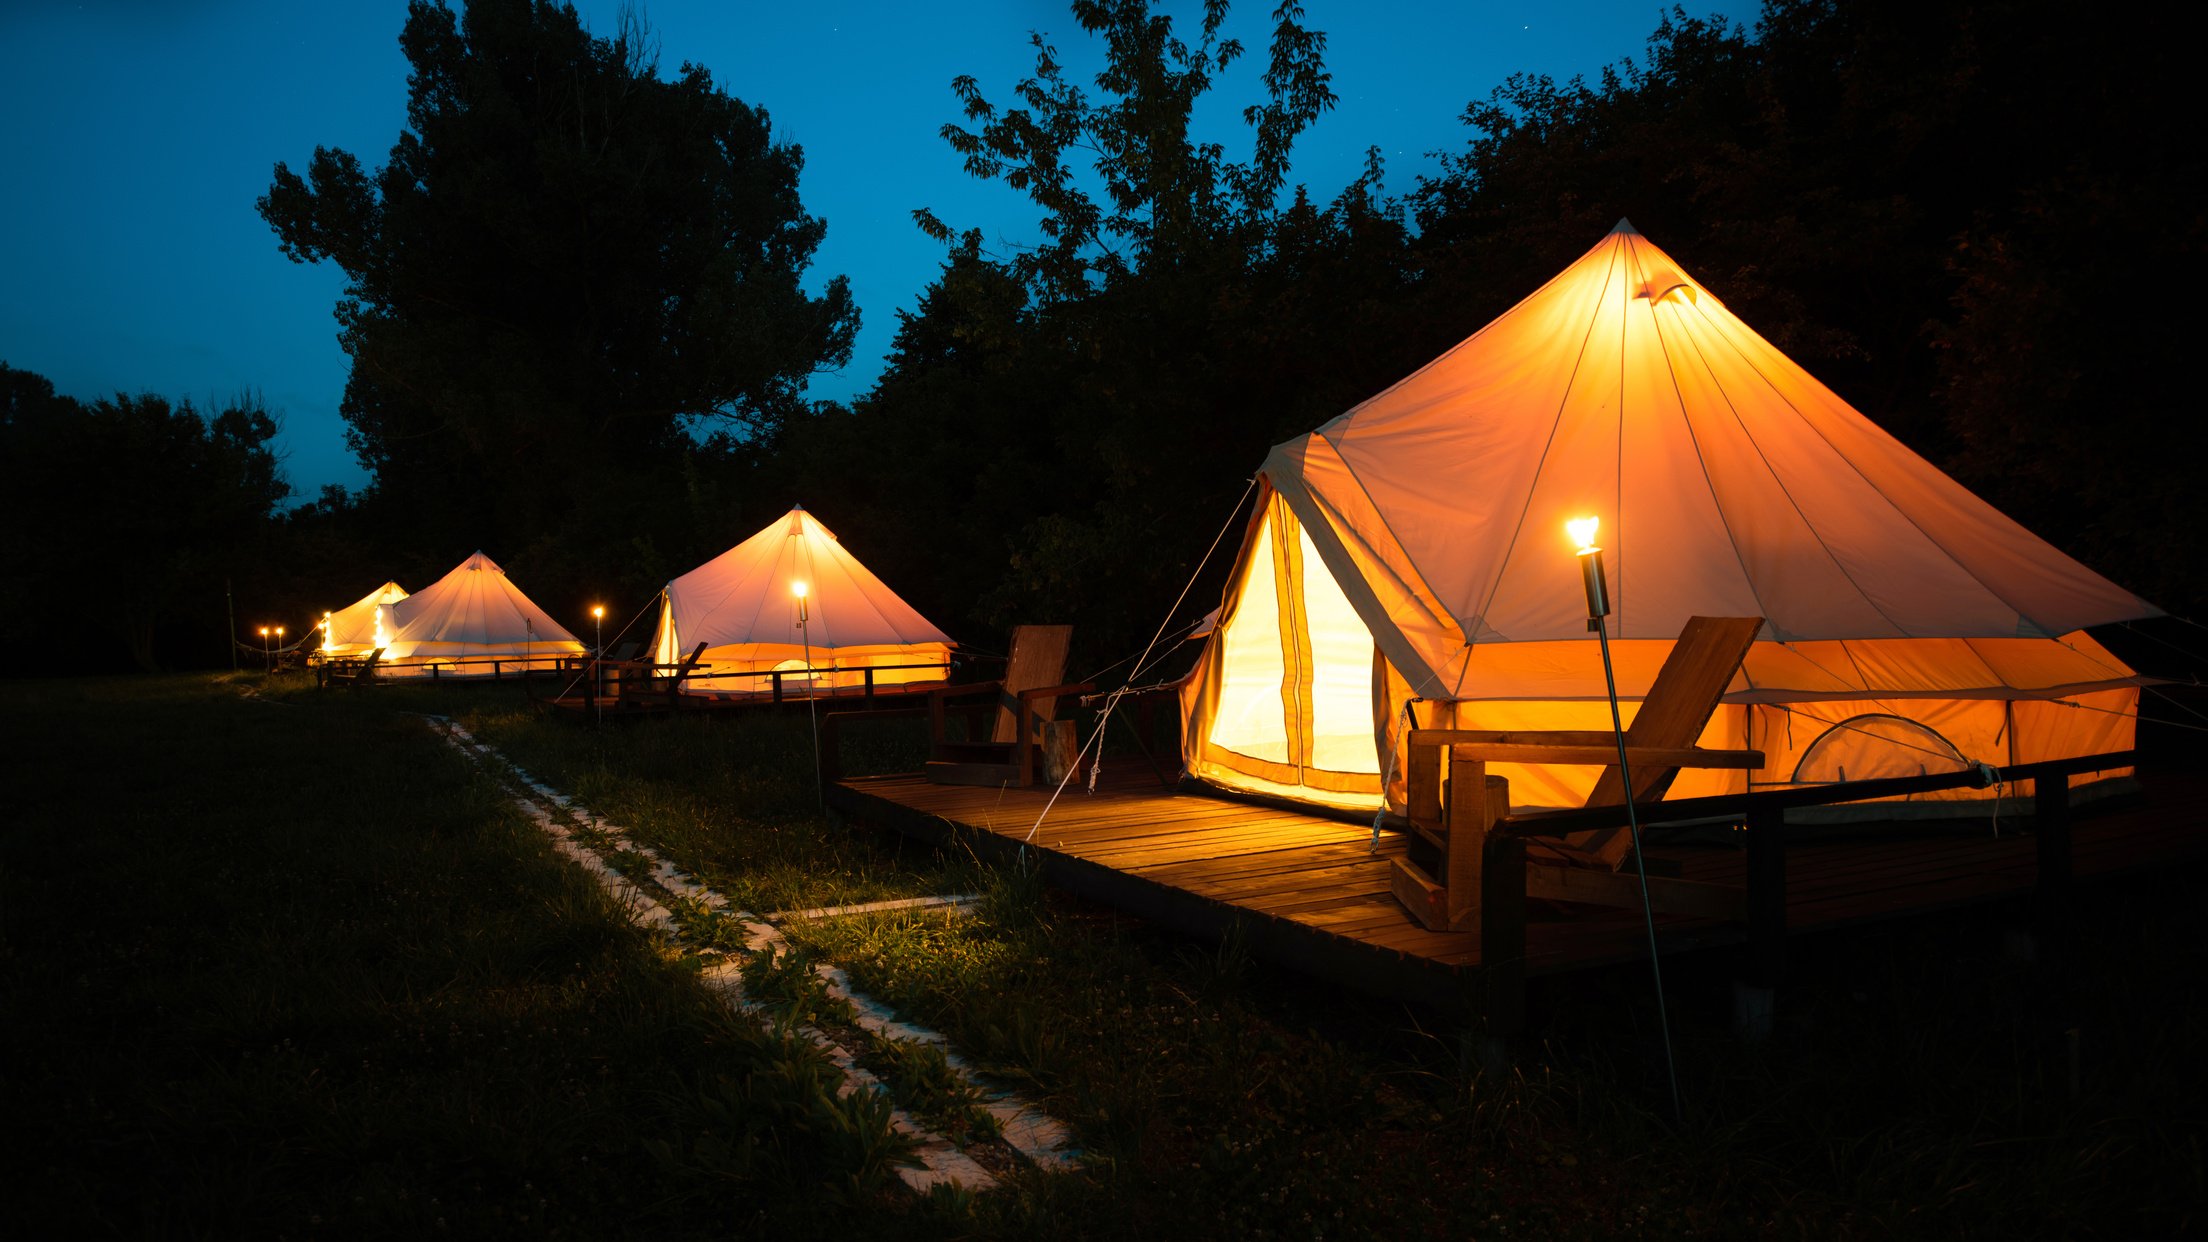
(1904, 201)
(1166, 195)
(566, 263)
(1082, 414)
(134, 510)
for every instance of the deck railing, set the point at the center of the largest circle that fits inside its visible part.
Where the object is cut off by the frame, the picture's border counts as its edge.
(1503, 871)
(436, 668)
(866, 688)
(669, 679)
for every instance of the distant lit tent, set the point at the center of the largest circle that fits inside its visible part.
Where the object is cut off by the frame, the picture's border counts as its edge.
(1411, 552)
(743, 606)
(363, 625)
(473, 622)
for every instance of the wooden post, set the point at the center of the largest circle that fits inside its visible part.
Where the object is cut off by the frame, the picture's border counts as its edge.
(776, 678)
(1764, 959)
(1502, 914)
(1023, 744)
(869, 673)
(1061, 755)
(1422, 784)
(1449, 899)
(831, 749)
(1472, 810)
(2051, 832)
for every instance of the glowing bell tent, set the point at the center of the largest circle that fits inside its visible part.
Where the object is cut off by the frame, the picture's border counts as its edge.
(743, 606)
(1412, 551)
(473, 622)
(363, 625)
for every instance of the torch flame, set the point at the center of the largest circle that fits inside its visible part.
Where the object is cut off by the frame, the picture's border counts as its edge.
(1582, 531)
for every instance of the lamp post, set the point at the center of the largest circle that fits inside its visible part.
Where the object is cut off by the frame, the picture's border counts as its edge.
(279, 638)
(597, 654)
(268, 656)
(812, 712)
(1582, 532)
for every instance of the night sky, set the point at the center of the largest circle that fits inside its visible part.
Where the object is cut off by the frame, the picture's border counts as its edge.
(138, 135)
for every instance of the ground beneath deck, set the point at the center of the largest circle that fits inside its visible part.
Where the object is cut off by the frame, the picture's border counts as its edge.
(1312, 892)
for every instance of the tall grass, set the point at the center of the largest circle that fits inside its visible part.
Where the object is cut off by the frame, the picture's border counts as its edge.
(468, 1023)
(1918, 1085)
(273, 967)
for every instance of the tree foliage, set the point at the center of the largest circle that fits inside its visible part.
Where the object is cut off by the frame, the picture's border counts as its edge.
(566, 263)
(1083, 414)
(1958, 218)
(1965, 220)
(129, 512)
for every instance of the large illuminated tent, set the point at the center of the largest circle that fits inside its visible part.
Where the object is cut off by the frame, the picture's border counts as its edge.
(473, 622)
(363, 625)
(743, 606)
(1413, 549)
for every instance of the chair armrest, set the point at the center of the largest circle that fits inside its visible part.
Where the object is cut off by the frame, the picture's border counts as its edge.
(1052, 692)
(966, 688)
(938, 696)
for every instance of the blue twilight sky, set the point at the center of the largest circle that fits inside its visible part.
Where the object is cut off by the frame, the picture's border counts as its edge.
(137, 134)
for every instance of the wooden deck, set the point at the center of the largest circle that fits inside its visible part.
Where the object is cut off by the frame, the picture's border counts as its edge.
(1312, 893)
(626, 707)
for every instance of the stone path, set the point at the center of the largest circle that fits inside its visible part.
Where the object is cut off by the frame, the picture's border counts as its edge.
(580, 835)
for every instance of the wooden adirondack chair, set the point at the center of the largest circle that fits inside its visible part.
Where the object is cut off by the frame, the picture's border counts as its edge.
(1457, 823)
(637, 683)
(353, 674)
(608, 673)
(1027, 699)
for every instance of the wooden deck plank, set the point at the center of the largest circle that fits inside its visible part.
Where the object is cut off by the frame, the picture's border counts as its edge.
(1313, 890)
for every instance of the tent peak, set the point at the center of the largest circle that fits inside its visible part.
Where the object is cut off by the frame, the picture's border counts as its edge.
(1626, 226)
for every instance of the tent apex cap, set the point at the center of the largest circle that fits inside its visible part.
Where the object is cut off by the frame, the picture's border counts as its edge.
(1626, 226)
(797, 508)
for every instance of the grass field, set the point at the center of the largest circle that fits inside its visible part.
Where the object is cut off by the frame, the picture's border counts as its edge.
(279, 963)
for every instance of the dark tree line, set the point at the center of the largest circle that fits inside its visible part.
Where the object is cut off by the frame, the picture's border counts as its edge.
(1965, 218)
(568, 264)
(127, 518)
(578, 317)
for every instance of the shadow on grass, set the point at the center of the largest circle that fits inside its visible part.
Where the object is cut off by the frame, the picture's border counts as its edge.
(279, 967)
(322, 874)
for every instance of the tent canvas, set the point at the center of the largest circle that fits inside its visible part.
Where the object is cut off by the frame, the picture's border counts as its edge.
(743, 606)
(473, 622)
(363, 625)
(1408, 560)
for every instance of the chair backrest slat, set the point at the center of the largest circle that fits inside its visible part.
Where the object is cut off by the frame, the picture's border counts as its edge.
(1038, 659)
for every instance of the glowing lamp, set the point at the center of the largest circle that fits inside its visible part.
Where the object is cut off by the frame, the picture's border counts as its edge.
(798, 589)
(597, 612)
(1582, 530)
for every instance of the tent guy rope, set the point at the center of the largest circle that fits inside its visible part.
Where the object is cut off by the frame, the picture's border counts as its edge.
(1111, 700)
